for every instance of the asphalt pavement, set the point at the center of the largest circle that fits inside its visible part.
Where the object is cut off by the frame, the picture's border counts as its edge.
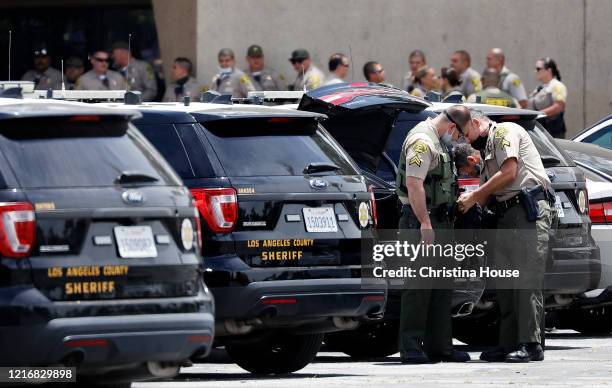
(572, 360)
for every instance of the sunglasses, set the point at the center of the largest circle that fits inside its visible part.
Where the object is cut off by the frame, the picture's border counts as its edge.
(539, 68)
(101, 59)
(294, 61)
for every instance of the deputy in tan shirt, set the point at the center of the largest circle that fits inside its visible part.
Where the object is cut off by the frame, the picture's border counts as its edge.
(512, 163)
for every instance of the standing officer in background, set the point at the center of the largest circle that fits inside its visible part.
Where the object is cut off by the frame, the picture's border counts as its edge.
(508, 81)
(309, 77)
(183, 84)
(470, 79)
(424, 185)
(516, 178)
(491, 94)
(43, 75)
(262, 77)
(100, 77)
(338, 66)
(550, 97)
(229, 79)
(416, 60)
(140, 74)
(73, 69)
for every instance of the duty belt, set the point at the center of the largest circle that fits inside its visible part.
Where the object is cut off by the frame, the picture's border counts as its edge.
(503, 206)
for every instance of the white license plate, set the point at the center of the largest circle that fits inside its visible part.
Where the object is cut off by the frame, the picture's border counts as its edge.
(559, 207)
(320, 219)
(135, 242)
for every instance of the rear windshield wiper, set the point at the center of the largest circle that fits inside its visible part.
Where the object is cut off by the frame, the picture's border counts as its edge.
(549, 160)
(320, 167)
(134, 177)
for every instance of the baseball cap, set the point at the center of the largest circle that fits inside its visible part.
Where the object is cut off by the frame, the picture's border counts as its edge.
(254, 51)
(299, 54)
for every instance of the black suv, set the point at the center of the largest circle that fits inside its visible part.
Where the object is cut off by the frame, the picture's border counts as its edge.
(99, 264)
(371, 123)
(284, 210)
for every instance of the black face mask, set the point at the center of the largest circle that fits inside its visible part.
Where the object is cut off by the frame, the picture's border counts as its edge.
(480, 143)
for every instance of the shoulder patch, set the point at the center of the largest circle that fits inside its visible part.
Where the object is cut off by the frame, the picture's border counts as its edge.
(281, 77)
(420, 147)
(500, 135)
(149, 70)
(475, 82)
(516, 82)
(244, 79)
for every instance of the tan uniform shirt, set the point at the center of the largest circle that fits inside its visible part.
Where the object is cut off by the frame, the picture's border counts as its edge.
(313, 78)
(333, 79)
(418, 91)
(547, 94)
(49, 79)
(192, 88)
(407, 81)
(236, 83)
(91, 81)
(421, 154)
(511, 84)
(269, 79)
(510, 140)
(470, 82)
(141, 78)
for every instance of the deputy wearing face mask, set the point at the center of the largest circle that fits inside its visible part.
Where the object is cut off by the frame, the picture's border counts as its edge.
(229, 79)
(425, 186)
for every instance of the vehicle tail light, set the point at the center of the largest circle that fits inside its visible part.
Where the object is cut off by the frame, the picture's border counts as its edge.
(373, 205)
(600, 213)
(18, 229)
(218, 207)
(198, 225)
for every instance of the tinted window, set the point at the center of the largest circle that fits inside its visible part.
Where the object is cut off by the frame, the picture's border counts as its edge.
(181, 147)
(545, 144)
(603, 137)
(50, 153)
(260, 148)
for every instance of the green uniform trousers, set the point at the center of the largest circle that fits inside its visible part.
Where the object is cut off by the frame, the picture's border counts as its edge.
(425, 315)
(522, 307)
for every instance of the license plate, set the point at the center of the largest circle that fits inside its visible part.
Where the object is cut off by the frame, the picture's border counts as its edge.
(135, 242)
(559, 207)
(320, 219)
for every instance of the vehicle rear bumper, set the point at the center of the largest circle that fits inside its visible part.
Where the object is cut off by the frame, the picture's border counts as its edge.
(573, 270)
(300, 300)
(102, 341)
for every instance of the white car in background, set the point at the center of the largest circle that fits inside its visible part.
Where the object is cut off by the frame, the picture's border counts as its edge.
(594, 312)
(599, 133)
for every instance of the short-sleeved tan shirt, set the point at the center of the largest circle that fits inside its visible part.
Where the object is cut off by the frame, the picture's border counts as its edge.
(510, 140)
(548, 94)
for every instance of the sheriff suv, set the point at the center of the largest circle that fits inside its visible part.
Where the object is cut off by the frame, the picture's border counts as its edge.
(283, 211)
(99, 255)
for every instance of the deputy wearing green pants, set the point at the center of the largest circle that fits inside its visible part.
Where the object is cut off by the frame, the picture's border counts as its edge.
(425, 187)
(516, 178)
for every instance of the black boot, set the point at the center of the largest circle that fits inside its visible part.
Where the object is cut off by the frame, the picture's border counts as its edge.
(521, 354)
(452, 356)
(414, 357)
(536, 353)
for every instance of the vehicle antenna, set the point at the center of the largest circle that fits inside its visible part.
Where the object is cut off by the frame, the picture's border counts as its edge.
(303, 73)
(9, 53)
(352, 64)
(63, 84)
(127, 71)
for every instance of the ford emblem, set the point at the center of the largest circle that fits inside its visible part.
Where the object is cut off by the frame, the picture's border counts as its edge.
(318, 183)
(133, 197)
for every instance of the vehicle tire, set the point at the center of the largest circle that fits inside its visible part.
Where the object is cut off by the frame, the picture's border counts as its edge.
(368, 341)
(478, 331)
(278, 354)
(595, 321)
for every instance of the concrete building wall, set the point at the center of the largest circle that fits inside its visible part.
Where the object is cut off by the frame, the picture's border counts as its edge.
(387, 30)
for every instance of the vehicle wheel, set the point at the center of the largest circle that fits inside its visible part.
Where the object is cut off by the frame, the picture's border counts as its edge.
(278, 354)
(590, 321)
(478, 331)
(368, 341)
